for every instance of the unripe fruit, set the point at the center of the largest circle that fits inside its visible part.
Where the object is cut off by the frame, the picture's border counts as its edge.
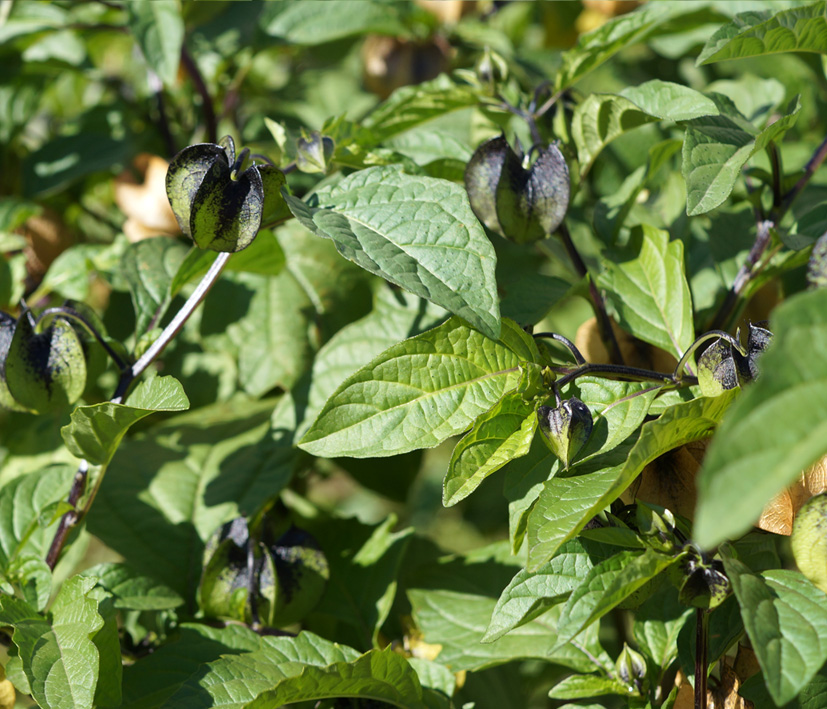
(809, 540)
(717, 370)
(566, 428)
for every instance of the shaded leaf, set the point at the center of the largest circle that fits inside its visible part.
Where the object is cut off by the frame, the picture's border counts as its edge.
(159, 30)
(133, 590)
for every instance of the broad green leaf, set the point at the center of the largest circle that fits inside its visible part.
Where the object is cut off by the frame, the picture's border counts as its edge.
(715, 150)
(811, 697)
(108, 692)
(364, 566)
(607, 584)
(133, 590)
(751, 34)
(565, 505)
(411, 106)
(599, 120)
(148, 268)
(807, 229)
(427, 146)
(380, 675)
(166, 492)
(96, 431)
(786, 619)
(650, 293)
(419, 392)
(531, 593)
(498, 436)
(670, 101)
(153, 679)
(22, 501)
(395, 316)
(417, 232)
(313, 23)
(159, 30)
(585, 686)
(60, 658)
(761, 448)
(233, 679)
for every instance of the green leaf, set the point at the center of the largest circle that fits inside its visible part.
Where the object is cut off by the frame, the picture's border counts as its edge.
(595, 47)
(420, 392)
(417, 232)
(786, 620)
(149, 267)
(606, 585)
(108, 692)
(60, 659)
(650, 293)
(159, 30)
(656, 627)
(396, 315)
(96, 431)
(600, 119)
(670, 101)
(761, 448)
(153, 679)
(235, 678)
(163, 498)
(531, 593)
(133, 590)
(565, 505)
(498, 436)
(22, 501)
(752, 34)
(312, 23)
(411, 106)
(715, 150)
(585, 686)
(364, 565)
(381, 675)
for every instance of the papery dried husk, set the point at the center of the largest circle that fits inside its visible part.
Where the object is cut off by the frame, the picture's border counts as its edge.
(778, 516)
(392, 62)
(146, 205)
(635, 353)
(48, 237)
(448, 11)
(669, 480)
(723, 696)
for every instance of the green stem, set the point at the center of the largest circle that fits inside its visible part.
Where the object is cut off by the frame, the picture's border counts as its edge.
(701, 659)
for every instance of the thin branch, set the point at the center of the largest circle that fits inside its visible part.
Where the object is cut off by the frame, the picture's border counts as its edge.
(70, 518)
(578, 357)
(809, 170)
(201, 88)
(157, 88)
(701, 657)
(617, 371)
(775, 162)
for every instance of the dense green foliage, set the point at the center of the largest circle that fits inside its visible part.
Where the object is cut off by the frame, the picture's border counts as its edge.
(358, 353)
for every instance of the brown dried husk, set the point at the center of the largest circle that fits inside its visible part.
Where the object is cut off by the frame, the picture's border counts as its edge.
(146, 205)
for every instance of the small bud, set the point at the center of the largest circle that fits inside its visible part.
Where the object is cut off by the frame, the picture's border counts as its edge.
(630, 665)
(657, 526)
(717, 371)
(219, 206)
(566, 428)
(313, 153)
(705, 585)
(523, 205)
(758, 340)
(45, 371)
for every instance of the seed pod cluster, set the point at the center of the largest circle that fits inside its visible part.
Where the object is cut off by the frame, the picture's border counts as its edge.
(274, 573)
(42, 368)
(219, 206)
(723, 367)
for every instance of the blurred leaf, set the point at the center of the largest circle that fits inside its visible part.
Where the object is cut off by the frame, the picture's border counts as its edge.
(149, 267)
(751, 34)
(670, 101)
(159, 30)
(312, 23)
(585, 686)
(417, 232)
(752, 459)
(419, 392)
